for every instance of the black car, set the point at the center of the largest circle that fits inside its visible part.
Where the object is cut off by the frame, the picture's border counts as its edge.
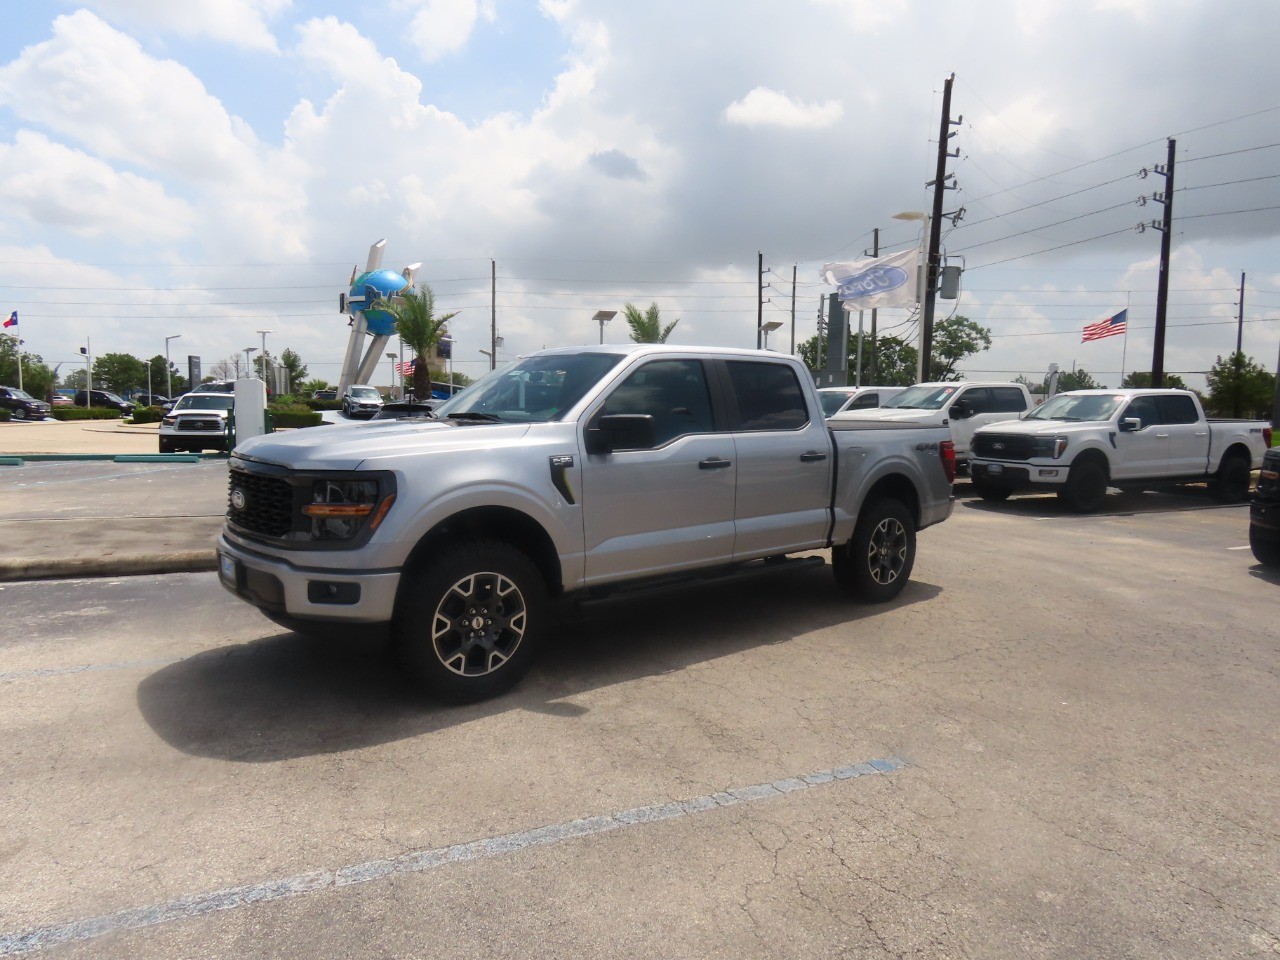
(21, 405)
(102, 398)
(1264, 512)
(150, 399)
(325, 395)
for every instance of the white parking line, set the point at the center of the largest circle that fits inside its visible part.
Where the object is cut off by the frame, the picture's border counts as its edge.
(416, 861)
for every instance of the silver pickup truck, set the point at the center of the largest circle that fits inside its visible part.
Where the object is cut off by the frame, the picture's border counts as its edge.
(570, 472)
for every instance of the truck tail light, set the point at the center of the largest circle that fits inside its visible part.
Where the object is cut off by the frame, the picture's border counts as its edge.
(948, 450)
(1266, 437)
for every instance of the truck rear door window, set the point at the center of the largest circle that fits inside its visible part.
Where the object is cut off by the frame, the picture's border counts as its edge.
(768, 396)
(1177, 408)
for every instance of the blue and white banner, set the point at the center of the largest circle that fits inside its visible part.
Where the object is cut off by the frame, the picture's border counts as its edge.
(887, 282)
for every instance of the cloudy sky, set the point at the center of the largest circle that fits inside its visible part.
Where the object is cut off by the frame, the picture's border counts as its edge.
(217, 167)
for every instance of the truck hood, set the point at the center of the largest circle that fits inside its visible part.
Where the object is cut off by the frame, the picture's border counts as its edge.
(1052, 428)
(347, 446)
(894, 414)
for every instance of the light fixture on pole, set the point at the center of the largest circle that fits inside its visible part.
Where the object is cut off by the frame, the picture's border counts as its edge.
(767, 328)
(263, 359)
(493, 354)
(602, 317)
(922, 284)
(168, 377)
(248, 368)
(392, 388)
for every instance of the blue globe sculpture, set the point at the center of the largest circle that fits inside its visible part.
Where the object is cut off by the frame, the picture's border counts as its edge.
(377, 284)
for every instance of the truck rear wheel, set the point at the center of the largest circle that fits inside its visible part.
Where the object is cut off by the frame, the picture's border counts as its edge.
(469, 620)
(1231, 483)
(876, 562)
(1086, 486)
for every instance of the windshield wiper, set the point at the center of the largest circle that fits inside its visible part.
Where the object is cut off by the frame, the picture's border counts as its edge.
(472, 415)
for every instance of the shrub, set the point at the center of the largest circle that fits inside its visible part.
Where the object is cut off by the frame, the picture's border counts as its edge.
(147, 414)
(85, 413)
(4, 416)
(324, 404)
(295, 417)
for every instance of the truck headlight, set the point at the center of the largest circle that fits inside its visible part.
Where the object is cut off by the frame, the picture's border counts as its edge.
(1049, 447)
(167, 421)
(340, 508)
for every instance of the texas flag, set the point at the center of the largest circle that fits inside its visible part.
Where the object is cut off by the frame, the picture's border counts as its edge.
(13, 319)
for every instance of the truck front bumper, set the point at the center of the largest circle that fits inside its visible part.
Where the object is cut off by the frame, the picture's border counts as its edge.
(306, 593)
(1020, 475)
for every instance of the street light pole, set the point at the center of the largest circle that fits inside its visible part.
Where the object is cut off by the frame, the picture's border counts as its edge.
(922, 286)
(392, 389)
(168, 377)
(263, 359)
(602, 317)
(248, 367)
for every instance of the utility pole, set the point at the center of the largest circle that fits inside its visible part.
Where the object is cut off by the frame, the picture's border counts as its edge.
(759, 298)
(939, 184)
(493, 314)
(875, 252)
(793, 309)
(819, 353)
(1240, 317)
(1165, 227)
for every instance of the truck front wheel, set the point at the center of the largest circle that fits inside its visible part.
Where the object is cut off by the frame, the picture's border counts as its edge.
(991, 492)
(1086, 486)
(1265, 545)
(470, 619)
(876, 562)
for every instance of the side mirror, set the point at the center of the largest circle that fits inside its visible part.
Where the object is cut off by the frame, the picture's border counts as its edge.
(1130, 424)
(620, 431)
(960, 410)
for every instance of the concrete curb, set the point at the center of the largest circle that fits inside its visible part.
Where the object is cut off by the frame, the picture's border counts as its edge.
(126, 565)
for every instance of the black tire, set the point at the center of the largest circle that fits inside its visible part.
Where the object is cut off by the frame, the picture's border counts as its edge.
(166, 446)
(1265, 545)
(992, 492)
(1086, 486)
(876, 563)
(19, 413)
(469, 621)
(1231, 483)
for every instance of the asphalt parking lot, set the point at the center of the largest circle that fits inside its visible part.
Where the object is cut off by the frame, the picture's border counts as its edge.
(1060, 741)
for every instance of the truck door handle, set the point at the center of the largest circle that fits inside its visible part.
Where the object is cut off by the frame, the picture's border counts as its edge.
(1162, 436)
(714, 463)
(812, 456)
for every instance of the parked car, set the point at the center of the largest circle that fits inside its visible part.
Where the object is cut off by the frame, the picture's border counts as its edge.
(402, 409)
(361, 400)
(150, 399)
(963, 405)
(1079, 443)
(22, 405)
(837, 399)
(573, 472)
(1264, 512)
(62, 400)
(325, 395)
(198, 421)
(102, 398)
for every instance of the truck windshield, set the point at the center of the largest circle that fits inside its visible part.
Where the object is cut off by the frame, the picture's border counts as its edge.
(923, 397)
(530, 390)
(1076, 408)
(206, 402)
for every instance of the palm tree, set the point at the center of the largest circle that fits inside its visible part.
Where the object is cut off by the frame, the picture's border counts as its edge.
(647, 327)
(419, 328)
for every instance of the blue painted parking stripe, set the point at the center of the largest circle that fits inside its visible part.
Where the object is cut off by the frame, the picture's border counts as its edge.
(417, 861)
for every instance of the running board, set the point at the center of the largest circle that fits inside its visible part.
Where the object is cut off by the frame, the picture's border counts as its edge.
(745, 571)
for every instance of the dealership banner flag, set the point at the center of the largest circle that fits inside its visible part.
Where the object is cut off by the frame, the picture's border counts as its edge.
(884, 282)
(1111, 327)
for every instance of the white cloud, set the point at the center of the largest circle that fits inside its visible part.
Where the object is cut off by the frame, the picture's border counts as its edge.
(443, 27)
(242, 23)
(866, 14)
(763, 107)
(53, 186)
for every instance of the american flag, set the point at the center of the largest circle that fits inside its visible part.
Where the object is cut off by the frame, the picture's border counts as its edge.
(1107, 328)
(405, 369)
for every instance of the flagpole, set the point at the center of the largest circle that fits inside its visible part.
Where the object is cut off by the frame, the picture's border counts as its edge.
(1124, 349)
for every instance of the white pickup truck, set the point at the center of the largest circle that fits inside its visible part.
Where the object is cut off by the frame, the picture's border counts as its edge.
(571, 473)
(1080, 443)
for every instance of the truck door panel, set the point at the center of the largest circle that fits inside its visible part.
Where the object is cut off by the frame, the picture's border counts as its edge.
(1143, 452)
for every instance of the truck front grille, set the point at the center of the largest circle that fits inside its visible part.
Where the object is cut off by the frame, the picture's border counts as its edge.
(193, 424)
(261, 504)
(1003, 446)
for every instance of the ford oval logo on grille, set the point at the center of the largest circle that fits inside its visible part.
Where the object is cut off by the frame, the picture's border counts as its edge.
(994, 446)
(238, 499)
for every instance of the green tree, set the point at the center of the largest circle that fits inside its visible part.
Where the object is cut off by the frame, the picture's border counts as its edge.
(308, 387)
(1142, 379)
(1239, 387)
(954, 340)
(119, 372)
(160, 383)
(297, 369)
(419, 328)
(37, 378)
(1077, 379)
(647, 327)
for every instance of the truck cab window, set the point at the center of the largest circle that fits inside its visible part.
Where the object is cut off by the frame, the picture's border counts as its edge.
(768, 396)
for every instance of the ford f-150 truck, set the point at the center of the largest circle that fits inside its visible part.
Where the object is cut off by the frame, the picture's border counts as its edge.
(571, 472)
(1082, 442)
